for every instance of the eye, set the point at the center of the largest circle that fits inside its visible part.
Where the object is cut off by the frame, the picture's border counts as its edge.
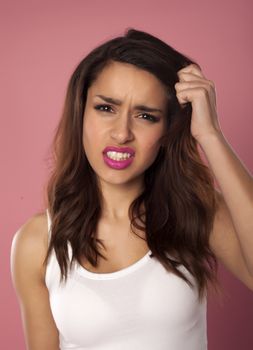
(103, 108)
(151, 118)
(107, 108)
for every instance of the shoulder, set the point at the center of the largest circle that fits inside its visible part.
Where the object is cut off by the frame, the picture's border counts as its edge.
(33, 233)
(28, 252)
(29, 245)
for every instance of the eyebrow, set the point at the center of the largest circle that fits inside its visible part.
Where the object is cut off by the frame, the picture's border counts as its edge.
(137, 107)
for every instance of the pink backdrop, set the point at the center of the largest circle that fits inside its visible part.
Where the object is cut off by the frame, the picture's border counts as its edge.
(42, 43)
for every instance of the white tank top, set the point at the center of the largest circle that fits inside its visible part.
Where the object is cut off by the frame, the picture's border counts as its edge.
(141, 307)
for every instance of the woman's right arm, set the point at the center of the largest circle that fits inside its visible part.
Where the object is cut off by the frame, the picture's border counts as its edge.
(28, 251)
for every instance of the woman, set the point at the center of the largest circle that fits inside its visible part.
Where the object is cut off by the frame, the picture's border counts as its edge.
(124, 254)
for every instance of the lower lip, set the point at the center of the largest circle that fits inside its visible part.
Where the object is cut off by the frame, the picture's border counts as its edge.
(117, 164)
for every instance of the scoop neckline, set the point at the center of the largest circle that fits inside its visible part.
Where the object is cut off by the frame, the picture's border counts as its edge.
(112, 275)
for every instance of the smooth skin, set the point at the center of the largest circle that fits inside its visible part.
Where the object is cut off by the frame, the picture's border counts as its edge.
(123, 125)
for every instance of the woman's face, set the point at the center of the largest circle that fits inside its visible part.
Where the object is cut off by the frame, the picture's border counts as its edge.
(117, 115)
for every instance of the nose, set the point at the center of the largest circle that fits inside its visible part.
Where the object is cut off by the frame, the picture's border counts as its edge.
(121, 131)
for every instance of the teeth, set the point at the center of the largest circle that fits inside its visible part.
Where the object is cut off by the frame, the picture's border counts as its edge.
(118, 155)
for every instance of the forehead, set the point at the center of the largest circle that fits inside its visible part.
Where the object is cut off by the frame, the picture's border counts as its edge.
(121, 80)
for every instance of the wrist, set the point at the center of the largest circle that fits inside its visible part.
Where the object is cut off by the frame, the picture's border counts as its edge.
(209, 138)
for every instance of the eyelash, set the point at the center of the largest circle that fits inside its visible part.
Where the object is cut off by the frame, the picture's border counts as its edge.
(152, 120)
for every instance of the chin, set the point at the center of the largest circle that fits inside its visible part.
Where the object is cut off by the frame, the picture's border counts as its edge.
(120, 179)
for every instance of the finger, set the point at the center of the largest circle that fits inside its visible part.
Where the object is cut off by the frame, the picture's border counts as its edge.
(192, 68)
(190, 94)
(193, 84)
(185, 76)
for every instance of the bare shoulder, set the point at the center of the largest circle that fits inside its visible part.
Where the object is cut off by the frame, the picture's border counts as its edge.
(29, 244)
(28, 252)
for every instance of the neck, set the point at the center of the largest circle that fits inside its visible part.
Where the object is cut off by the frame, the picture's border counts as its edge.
(118, 198)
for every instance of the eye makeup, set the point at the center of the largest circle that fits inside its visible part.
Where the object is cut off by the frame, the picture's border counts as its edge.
(151, 118)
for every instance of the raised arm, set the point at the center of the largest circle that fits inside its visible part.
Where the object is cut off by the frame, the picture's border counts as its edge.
(28, 274)
(232, 235)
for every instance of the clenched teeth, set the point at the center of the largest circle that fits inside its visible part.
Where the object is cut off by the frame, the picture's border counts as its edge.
(118, 155)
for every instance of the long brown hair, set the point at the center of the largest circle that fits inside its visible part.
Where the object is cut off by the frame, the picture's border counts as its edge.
(178, 196)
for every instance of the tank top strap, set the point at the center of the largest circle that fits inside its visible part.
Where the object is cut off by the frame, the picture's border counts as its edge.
(49, 223)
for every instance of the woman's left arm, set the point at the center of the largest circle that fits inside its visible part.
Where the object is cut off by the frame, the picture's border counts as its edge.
(232, 235)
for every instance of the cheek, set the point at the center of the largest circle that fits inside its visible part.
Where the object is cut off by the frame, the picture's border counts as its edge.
(88, 129)
(150, 147)
(152, 143)
(91, 131)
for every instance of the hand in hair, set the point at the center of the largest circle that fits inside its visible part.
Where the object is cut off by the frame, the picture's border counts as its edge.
(193, 87)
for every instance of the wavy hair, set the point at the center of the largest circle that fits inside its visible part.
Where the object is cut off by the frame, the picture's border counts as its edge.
(179, 194)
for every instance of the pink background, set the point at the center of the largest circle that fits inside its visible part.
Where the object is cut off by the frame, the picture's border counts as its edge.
(42, 43)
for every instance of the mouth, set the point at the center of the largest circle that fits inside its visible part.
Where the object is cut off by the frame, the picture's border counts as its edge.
(119, 153)
(118, 158)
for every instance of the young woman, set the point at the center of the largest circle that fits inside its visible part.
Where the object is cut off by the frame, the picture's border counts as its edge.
(124, 253)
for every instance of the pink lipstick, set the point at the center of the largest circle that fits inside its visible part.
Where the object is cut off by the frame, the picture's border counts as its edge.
(118, 164)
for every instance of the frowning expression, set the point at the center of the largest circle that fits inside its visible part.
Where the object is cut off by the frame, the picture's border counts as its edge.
(124, 119)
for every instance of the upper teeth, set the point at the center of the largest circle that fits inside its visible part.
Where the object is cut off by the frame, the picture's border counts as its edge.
(118, 155)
